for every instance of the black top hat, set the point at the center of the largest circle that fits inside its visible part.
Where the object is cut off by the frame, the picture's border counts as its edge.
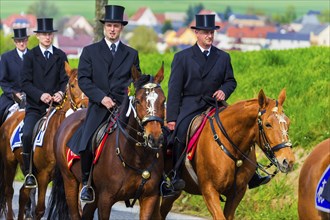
(114, 13)
(20, 33)
(205, 22)
(45, 25)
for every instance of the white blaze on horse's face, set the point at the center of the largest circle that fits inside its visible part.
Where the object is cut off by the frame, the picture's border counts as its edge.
(151, 99)
(283, 125)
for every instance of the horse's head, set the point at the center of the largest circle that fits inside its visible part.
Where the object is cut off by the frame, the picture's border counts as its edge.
(150, 106)
(77, 98)
(273, 131)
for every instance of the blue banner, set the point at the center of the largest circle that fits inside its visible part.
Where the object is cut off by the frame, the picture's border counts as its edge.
(320, 202)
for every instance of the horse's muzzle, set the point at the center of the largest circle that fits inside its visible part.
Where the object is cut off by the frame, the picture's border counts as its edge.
(153, 142)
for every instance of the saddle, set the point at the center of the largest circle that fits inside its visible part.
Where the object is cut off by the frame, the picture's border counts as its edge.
(106, 127)
(195, 123)
(42, 123)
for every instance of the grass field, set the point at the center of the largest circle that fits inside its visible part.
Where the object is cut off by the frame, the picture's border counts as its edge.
(305, 75)
(87, 7)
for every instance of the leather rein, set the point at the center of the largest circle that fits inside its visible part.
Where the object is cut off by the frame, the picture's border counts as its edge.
(267, 149)
(145, 173)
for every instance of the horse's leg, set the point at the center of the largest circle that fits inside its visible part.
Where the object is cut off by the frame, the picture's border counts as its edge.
(89, 210)
(156, 212)
(166, 205)
(104, 205)
(212, 199)
(31, 205)
(232, 200)
(10, 171)
(23, 198)
(147, 206)
(71, 186)
(43, 180)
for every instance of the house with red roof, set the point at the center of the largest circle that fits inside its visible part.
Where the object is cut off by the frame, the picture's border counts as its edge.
(22, 20)
(248, 38)
(144, 16)
(73, 45)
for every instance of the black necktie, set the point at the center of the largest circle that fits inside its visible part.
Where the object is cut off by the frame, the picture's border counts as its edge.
(47, 54)
(113, 49)
(205, 52)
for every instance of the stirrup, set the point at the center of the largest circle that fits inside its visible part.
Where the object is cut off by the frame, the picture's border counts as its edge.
(167, 189)
(93, 194)
(35, 180)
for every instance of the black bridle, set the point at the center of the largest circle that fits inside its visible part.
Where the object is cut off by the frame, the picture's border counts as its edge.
(74, 106)
(146, 172)
(263, 140)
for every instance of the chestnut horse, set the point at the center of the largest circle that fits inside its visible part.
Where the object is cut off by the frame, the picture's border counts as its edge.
(43, 157)
(225, 159)
(312, 170)
(131, 163)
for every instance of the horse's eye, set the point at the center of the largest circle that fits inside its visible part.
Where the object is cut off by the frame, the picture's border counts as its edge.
(268, 125)
(137, 102)
(72, 85)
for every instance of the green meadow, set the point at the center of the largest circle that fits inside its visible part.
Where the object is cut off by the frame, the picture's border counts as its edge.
(304, 73)
(87, 7)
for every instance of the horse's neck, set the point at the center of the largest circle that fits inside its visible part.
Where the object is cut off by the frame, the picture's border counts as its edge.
(240, 123)
(66, 105)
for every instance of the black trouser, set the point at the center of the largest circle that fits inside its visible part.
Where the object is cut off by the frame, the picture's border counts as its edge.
(30, 121)
(178, 148)
(86, 159)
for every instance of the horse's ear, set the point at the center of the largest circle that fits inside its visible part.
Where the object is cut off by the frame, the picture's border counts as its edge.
(135, 73)
(282, 96)
(262, 99)
(160, 75)
(67, 68)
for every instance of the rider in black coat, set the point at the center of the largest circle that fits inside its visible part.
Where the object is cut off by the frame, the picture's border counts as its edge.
(104, 74)
(198, 73)
(11, 64)
(43, 80)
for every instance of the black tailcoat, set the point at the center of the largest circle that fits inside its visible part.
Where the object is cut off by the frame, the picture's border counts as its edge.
(100, 75)
(192, 77)
(41, 76)
(10, 71)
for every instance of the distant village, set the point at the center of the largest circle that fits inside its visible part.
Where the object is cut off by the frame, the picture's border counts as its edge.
(238, 32)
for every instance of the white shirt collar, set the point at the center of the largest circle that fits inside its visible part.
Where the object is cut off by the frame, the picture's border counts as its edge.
(20, 53)
(109, 43)
(50, 49)
(202, 49)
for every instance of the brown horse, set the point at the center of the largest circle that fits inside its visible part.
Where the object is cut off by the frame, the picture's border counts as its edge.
(131, 164)
(43, 157)
(314, 166)
(225, 159)
(8, 164)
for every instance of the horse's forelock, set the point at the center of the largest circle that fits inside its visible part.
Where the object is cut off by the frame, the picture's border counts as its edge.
(144, 79)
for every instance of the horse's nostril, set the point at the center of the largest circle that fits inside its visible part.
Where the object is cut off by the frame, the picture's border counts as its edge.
(150, 138)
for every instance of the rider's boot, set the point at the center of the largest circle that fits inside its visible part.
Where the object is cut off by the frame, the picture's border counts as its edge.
(177, 182)
(258, 180)
(87, 192)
